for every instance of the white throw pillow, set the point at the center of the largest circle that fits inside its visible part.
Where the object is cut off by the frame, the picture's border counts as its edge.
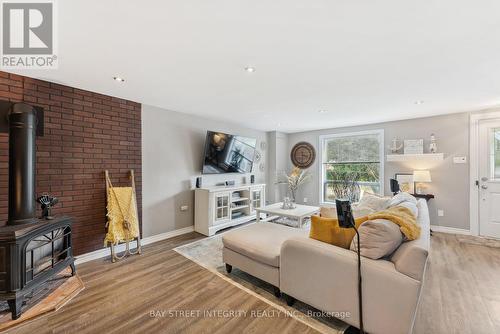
(328, 211)
(406, 200)
(331, 211)
(360, 211)
(375, 202)
(378, 238)
(402, 197)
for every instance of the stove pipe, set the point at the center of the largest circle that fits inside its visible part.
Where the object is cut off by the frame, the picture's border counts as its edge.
(22, 164)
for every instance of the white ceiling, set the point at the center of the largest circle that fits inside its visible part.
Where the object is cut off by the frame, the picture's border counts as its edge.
(362, 61)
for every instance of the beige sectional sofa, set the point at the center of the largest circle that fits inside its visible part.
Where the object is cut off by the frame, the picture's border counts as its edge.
(325, 276)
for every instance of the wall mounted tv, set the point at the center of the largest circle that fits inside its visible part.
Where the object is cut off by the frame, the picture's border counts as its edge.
(225, 153)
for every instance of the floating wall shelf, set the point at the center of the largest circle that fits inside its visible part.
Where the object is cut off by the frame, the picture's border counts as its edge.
(414, 157)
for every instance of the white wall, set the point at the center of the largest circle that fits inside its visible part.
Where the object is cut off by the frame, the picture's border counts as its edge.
(450, 182)
(172, 149)
(277, 164)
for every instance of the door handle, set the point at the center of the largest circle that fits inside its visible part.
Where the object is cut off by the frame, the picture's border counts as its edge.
(484, 186)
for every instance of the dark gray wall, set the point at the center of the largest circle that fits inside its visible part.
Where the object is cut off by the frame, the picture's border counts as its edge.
(450, 181)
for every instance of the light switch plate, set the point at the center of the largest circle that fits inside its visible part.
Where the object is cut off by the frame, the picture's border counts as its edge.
(184, 208)
(459, 160)
(440, 213)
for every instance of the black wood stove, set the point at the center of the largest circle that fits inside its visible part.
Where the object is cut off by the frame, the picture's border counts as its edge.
(32, 250)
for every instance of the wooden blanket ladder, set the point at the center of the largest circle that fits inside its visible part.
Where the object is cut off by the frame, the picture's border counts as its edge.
(114, 256)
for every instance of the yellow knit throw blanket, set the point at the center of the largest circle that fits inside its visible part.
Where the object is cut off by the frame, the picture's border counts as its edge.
(123, 224)
(401, 216)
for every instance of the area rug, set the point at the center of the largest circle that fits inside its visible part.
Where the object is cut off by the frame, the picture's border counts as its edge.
(208, 254)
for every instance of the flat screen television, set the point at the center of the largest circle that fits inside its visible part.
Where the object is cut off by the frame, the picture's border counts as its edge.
(225, 153)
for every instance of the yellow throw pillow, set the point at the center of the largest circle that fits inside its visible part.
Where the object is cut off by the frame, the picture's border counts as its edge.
(328, 230)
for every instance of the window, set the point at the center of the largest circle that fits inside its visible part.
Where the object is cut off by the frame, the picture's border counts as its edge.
(495, 154)
(351, 163)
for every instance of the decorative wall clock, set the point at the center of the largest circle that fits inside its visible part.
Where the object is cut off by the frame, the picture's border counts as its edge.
(303, 155)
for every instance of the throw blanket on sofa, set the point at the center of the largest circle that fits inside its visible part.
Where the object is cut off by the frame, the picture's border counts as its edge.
(401, 216)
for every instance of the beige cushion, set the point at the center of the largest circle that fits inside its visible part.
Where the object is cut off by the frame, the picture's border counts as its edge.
(261, 241)
(373, 201)
(411, 257)
(378, 238)
(269, 274)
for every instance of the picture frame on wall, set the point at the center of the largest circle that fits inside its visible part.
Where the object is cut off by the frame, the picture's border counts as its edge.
(406, 183)
(413, 146)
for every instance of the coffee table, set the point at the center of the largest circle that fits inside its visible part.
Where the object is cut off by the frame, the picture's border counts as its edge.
(298, 213)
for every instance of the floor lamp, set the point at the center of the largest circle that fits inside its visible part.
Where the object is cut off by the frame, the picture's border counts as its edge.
(346, 220)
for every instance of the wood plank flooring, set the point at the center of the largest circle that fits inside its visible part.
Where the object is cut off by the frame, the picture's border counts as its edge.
(118, 298)
(462, 287)
(461, 295)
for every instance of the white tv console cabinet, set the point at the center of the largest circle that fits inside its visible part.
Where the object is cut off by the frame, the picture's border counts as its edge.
(220, 207)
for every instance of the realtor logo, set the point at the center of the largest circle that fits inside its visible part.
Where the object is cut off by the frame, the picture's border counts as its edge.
(28, 31)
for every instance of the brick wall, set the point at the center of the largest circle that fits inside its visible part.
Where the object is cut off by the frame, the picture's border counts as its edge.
(85, 133)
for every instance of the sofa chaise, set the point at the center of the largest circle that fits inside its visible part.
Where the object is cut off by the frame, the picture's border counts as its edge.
(325, 276)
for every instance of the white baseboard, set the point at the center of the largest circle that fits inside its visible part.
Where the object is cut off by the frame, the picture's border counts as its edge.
(120, 248)
(451, 230)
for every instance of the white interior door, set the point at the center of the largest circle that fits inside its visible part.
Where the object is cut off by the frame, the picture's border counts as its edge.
(489, 178)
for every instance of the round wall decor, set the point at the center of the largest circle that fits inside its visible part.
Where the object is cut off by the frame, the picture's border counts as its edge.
(303, 155)
(257, 156)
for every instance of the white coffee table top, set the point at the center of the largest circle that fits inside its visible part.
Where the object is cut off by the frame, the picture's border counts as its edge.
(299, 211)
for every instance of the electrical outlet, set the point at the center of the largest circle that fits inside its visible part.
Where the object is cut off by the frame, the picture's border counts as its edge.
(440, 213)
(184, 208)
(459, 160)
(305, 199)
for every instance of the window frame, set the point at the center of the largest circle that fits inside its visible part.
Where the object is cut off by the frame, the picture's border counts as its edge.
(322, 154)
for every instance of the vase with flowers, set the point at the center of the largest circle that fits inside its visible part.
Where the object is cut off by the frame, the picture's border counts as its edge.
(294, 180)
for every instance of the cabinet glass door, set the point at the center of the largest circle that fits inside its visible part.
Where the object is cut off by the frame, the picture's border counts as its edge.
(256, 199)
(221, 207)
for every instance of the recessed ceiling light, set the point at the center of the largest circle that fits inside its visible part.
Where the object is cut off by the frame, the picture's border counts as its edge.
(119, 79)
(322, 111)
(419, 102)
(250, 69)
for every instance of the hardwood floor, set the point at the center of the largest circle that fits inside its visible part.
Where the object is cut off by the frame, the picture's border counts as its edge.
(461, 295)
(118, 298)
(462, 287)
